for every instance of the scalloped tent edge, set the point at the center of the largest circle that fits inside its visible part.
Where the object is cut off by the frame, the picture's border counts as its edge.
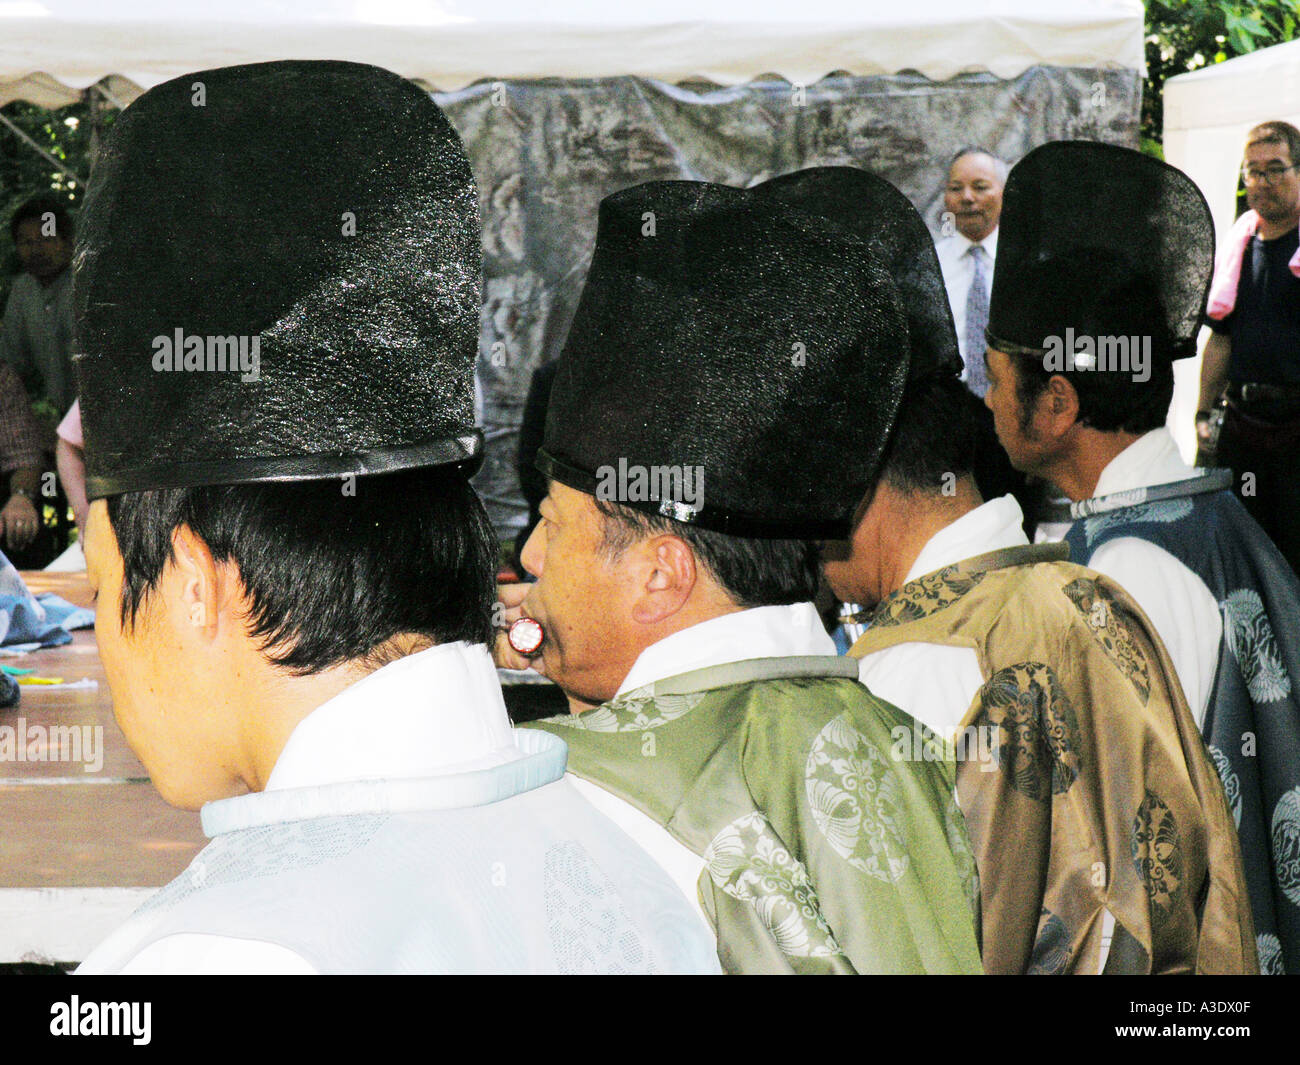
(52, 50)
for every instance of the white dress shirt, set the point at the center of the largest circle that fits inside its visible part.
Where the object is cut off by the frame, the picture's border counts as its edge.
(958, 270)
(1179, 604)
(760, 632)
(36, 337)
(936, 683)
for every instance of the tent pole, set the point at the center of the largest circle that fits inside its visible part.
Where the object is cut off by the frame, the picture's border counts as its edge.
(92, 102)
(56, 163)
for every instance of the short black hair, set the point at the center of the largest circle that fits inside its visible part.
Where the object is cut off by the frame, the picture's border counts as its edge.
(1276, 132)
(1109, 401)
(330, 576)
(936, 437)
(753, 572)
(38, 207)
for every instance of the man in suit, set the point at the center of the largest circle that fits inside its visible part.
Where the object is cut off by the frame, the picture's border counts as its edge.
(972, 203)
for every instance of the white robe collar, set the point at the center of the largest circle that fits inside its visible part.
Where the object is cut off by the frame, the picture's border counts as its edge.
(990, 527)
(428, 731)
(438, 711)
(1151, 459)
(760, 632)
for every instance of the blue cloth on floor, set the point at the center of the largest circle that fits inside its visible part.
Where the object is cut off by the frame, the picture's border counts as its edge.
(64, 614)
(25, 619)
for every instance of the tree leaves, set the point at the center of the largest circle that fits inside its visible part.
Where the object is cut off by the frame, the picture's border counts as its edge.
(1183, 35)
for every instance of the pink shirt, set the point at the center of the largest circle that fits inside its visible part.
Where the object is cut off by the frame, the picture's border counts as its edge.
(70, 428)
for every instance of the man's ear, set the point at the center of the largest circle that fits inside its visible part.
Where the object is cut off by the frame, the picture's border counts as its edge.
(197, 580)
(1059, 403)
(667, 573)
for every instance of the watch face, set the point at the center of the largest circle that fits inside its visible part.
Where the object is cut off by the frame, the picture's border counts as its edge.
(526, 636)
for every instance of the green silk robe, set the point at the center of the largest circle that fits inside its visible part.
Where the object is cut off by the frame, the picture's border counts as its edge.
(823, 851)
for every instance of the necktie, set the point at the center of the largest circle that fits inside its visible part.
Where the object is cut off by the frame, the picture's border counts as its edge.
(977, 317)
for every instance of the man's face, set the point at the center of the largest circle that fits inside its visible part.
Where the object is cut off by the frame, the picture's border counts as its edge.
(1018, 436)
(1280, 201)
(157, 707)
(44, 257)
(582, 598)
(974, 196)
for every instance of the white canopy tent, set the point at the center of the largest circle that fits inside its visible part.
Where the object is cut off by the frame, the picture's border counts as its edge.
(1209, 111)
(50, 50)
(596, 101)
(1207, 115)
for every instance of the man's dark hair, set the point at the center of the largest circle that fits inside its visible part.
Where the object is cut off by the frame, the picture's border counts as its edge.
(936, 437)
(753, 572)
(1277, 132)
(1097, 293)
(37, 208)
(1109, 401)
(329, 576)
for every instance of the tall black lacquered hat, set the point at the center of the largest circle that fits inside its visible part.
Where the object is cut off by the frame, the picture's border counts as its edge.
(722, 332)
(319, 215)
(884, 219)
(1103, 241)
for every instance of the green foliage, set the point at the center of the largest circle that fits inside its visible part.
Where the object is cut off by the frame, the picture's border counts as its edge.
(65, 134)
(1152, 147)
(1184, 35)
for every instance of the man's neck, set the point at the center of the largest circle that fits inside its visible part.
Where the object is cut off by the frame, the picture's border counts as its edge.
(920, 520)
(1076, 474)
(696, 611)
(281, 701)
(701, 649)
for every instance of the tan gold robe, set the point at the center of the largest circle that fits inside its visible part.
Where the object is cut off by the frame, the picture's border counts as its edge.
(1099, 816)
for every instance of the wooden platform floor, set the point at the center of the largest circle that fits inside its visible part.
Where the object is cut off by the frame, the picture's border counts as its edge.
(84, 837)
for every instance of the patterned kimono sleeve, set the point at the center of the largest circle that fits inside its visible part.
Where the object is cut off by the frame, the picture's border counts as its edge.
(854, 857)
(1009, 817)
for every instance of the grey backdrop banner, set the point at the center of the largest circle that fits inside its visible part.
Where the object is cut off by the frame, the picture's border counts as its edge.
(546, 152)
